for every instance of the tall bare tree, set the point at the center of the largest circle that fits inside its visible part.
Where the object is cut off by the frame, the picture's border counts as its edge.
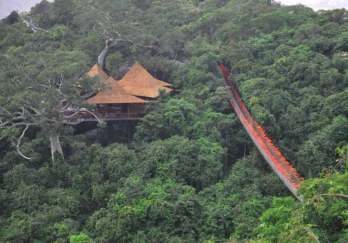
(45, 91)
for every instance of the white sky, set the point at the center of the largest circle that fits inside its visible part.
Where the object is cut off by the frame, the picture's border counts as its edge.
(6, 6)
(318, 4)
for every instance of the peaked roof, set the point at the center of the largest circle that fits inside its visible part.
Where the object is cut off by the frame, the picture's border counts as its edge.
(114, 94)
(139, 82)
(97, 71)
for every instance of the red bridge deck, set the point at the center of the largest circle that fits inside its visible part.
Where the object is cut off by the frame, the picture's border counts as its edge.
(288, 174)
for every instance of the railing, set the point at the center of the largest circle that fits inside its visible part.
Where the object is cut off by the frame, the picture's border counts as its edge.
(84, 116)
(288, 174)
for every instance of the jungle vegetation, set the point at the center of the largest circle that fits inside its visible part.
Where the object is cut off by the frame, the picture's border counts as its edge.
(189, 173)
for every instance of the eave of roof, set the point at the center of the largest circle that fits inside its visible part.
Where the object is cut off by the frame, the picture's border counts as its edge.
(114, 94)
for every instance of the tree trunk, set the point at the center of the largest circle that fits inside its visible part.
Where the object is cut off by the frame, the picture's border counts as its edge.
(102, 56)
(56, 146)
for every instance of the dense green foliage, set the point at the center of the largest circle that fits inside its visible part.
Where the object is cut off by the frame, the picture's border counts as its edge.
(190, 173)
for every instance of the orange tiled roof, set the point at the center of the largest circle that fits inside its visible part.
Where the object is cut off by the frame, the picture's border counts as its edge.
(140, 82)
(97, 71)
(114, 94)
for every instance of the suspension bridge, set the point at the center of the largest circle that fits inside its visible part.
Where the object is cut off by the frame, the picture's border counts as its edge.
(279, 164)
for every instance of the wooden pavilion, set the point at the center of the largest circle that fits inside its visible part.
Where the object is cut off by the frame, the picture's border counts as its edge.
(124, 99)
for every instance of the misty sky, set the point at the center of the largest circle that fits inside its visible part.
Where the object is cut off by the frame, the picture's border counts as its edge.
(318, 4)
(6, 6)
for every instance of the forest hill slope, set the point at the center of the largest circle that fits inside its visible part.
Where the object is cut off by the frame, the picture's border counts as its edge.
(190, 174)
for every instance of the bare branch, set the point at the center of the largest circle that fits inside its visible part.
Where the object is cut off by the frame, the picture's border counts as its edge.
(66, 118)
(60, 83)
(93, 114)
(5, 110)
(64, 107)
(19, 118)
(19, 141)
(110, 43)
(35, 110)
(3, 124)
(20, 124)
(30, 24)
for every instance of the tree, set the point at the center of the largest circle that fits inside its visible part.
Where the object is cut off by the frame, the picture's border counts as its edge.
(155, 211)
(45, 94)
(191, 173)
(197, 163)
(322, 216)
(168, 119)
(80, 238)
(12, 18)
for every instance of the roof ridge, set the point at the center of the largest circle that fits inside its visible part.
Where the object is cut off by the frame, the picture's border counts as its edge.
(138, 81)
(96, 70)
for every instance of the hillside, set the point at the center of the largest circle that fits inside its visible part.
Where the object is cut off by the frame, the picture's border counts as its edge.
(187, 172)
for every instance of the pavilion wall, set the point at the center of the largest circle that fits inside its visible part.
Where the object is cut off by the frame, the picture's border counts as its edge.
(136, 108)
